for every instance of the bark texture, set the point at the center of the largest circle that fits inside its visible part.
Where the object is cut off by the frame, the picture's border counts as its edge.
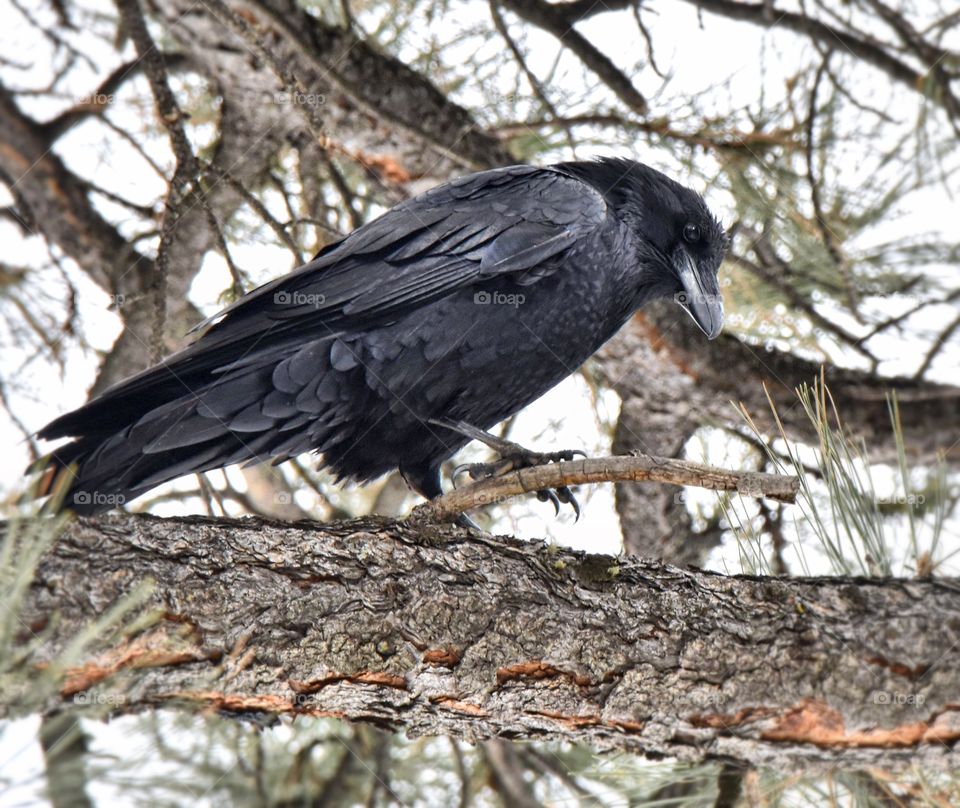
(370, 105)
(437, 630)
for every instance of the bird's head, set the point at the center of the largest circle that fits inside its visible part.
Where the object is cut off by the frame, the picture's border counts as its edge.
(680, 244)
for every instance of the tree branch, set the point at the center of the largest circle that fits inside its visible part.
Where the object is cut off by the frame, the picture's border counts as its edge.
(638, 468)
(551, 18)
(438, 630)
(730, 369)
(864, 48)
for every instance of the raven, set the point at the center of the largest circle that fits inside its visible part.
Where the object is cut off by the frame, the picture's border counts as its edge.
(396, 345)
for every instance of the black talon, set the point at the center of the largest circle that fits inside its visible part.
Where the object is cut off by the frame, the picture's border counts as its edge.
(457, 472)
(567, 496)
(465, 521)
(549, 494)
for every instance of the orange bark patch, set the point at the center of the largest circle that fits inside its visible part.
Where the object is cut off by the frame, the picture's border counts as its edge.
(381, 678)
(537, 669)
(626, 726)
(899, 668)
(152, 650)
(447, 657)
(386, 166)
(247, 16)
(730, 720)
(659, 342)
(817, 723)
(571, 721)
(450, 703)
(239, 703)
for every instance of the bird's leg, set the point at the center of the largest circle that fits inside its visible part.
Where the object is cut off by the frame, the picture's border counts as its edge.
(512, 456)
(425, 480)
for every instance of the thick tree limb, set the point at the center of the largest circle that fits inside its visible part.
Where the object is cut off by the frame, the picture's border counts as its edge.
(729, 369)
(638, 468)
(438, 631)
(373, 105)
(56, 202)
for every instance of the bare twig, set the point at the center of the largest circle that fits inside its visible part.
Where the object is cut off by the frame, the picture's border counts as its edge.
(538, 89)
(183, 184)
(728, 139)
(826, 233)
(937, 346)
(636, 468)
(551, 17)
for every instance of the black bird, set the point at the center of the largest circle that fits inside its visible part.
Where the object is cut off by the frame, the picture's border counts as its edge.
(395, 345)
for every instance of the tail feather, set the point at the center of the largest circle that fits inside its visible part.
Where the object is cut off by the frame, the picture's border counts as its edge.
(288, 401)
(154, 434)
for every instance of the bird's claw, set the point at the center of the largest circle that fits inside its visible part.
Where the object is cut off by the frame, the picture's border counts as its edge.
(481, 471)
(512, 457)
(526, 459)
(556, 496)
(566, 496)
(549, 494)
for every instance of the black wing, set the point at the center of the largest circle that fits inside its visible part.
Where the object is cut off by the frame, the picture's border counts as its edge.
(501, 222)
(506, 221)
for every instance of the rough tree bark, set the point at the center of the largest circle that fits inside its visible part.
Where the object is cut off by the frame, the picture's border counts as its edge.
(373, 107)
(438, 630)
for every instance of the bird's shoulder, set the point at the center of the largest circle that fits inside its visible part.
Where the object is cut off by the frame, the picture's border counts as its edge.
(482, 202)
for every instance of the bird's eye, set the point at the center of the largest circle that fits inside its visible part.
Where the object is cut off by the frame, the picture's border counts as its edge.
(691, 233)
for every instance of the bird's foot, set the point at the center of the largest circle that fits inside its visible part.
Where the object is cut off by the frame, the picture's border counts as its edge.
(513, 457)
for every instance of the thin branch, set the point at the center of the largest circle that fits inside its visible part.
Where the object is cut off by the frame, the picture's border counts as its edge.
(636, 468)
(825, 232)
(183, 184)
(732, 140)
(645, 33)
(339, 182)
(555, 20)
(777, 280)
(97, 102)
(538, 89)
(937, 346)
(865, 49)
(261, 210)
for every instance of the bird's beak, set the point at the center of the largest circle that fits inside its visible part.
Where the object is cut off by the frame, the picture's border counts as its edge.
(703, 305)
